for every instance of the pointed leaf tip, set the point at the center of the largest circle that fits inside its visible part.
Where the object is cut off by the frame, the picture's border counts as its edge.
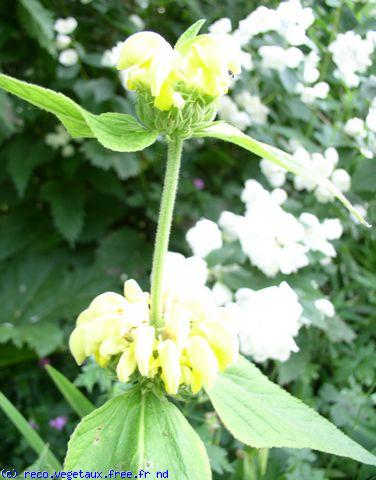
(228, 133)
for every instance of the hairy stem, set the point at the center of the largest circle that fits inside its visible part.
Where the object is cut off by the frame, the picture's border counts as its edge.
(164, 228)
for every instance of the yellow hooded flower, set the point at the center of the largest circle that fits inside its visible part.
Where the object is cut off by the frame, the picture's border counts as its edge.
(196, 341)
(110, 346)
(150, 62)
(203, 361)
(169, 356)
(208, 62)
(177, 323)
(144, 339)
(223, 340)
(127, 364)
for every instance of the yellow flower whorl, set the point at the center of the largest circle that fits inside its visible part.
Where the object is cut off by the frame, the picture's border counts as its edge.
(196, 342)
(199, 67)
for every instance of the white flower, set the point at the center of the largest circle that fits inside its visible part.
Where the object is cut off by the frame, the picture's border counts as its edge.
(310, 94)
(352, 55)
(62, 41)
(110, 58)
(279, 195)
(316, 234)
(325, 164)
(68, 57)
(223, 25)
(362, 210)
(57, 139)
(65, 26)
(259, 21)
(204, 237)
(332, 228)
(221, 294)
(253, 106)
(341, 179)
(277, 58)
(275, 174)
(269, 236)
(269, 320)
(183, 273)
(294, 20)
(310, 71)
(230, 112)
(371, 117)
(325, 307)
(230, 224)
(354, 127)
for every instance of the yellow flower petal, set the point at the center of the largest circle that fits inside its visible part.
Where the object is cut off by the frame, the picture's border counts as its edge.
(170, 362)
(77, 343)
(144, 339)
(202, 360)
(127, 365)
(140, 48)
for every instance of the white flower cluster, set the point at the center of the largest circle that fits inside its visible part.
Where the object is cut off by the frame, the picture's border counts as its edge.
(364, 132)
(352, 55)
(246, 110)
(325, 164)
(273, 239)
(290, 20)
(268, 321)
(60, 138)
(64, 28)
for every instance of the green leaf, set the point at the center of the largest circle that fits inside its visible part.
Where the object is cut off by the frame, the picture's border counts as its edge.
(68, 112)
(77, 400)
(7, 116)
(262, 414)
(189, 34)
(124, 251)
(21, 228)
(138, 431)
(66, 201)
(228, 133)
(38, 22)
(116, 131)
(38, 291)
(364, 178)
(30, 435)
(125, 166)
(23, 157)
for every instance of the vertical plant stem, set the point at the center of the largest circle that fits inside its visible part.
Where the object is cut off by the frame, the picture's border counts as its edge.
(164, 228)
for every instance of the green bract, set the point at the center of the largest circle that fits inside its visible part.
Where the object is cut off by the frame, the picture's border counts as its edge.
(141, 429)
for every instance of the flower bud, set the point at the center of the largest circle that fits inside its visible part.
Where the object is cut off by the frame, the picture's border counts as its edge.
(144, 339)
(170, 362)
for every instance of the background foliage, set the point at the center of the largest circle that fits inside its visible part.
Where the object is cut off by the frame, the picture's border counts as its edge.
(75, 222)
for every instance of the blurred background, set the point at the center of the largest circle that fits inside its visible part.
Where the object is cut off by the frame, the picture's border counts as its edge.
(76, 220)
